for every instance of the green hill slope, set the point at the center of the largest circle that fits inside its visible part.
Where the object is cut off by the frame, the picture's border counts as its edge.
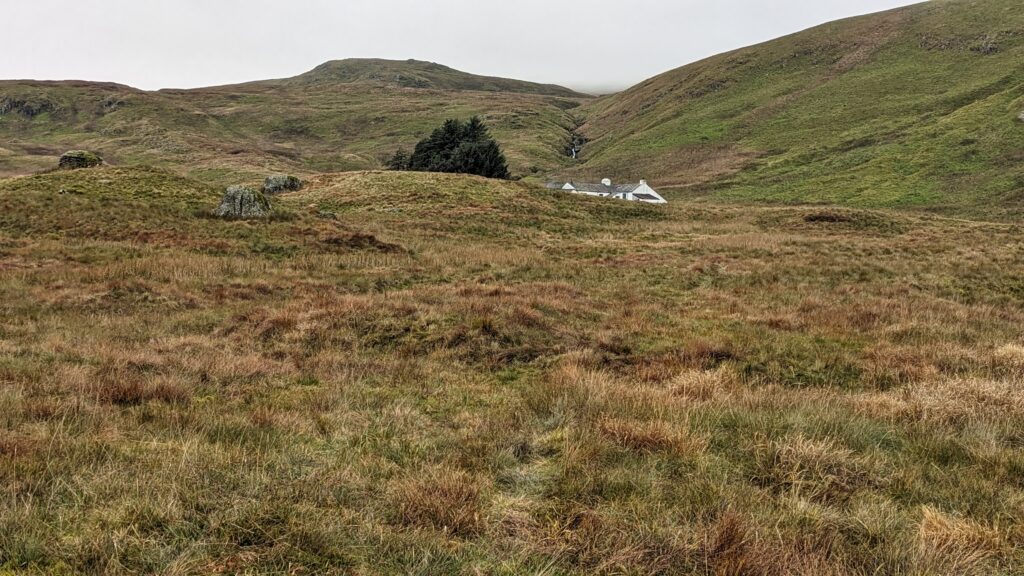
(913, 107)
(343, 115)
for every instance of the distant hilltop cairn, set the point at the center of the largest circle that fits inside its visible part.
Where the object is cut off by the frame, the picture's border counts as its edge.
(639, 192)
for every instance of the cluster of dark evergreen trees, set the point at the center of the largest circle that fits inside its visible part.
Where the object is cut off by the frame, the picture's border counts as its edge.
(457, 147)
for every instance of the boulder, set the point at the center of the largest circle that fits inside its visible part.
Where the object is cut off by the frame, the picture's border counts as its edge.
(75, 159)
(243, 203)
(281, 183)
(1021, 117)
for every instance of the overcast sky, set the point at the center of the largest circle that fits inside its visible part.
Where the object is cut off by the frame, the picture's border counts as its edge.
(580, 43)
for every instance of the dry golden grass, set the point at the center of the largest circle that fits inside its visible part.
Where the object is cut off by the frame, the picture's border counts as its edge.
(957, 546)
(438, 498)
(651, 436)
(1011, 356)
(952, 402)
(813, 469)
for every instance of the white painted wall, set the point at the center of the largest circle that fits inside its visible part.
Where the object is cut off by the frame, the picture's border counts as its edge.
(644, 188)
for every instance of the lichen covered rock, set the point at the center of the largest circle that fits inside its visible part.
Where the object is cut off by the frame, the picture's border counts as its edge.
(281, 183)
(243, 202)
(75, 159)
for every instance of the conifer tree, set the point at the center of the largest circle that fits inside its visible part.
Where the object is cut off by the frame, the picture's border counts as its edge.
(457, 147)
(400, 161)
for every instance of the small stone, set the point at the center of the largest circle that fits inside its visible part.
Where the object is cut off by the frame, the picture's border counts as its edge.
(243, 203)
(75, 159)
(281, 183)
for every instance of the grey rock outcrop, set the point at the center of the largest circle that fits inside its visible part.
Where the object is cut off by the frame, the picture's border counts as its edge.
(29, 108)
(243, 203)
(75, 159)
(281, 183)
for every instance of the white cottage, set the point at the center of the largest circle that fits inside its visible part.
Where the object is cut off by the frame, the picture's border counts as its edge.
(641, 192)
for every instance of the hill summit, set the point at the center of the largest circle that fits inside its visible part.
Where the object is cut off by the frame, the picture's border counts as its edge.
(420, 74)
(342, 115)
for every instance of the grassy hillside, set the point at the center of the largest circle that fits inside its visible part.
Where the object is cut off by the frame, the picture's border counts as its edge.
(916, 107)
(417, 74)
(417, 373)
(344, 115)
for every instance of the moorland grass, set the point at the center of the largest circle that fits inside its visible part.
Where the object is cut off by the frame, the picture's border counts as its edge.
(522, 381)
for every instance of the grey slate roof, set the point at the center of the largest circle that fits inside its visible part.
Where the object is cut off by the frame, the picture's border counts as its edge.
(602, 189)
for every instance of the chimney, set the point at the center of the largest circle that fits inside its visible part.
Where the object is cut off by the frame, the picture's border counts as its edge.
(643, 182)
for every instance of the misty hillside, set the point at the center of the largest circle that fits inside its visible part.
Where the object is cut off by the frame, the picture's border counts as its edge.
(916, 108)
(344, 115)
(913, 107)
(418, 74)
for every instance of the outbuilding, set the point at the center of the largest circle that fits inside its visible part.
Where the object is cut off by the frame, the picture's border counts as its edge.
(639, 192)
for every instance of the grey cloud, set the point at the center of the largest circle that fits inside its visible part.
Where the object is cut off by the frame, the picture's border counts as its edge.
(590, 44)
